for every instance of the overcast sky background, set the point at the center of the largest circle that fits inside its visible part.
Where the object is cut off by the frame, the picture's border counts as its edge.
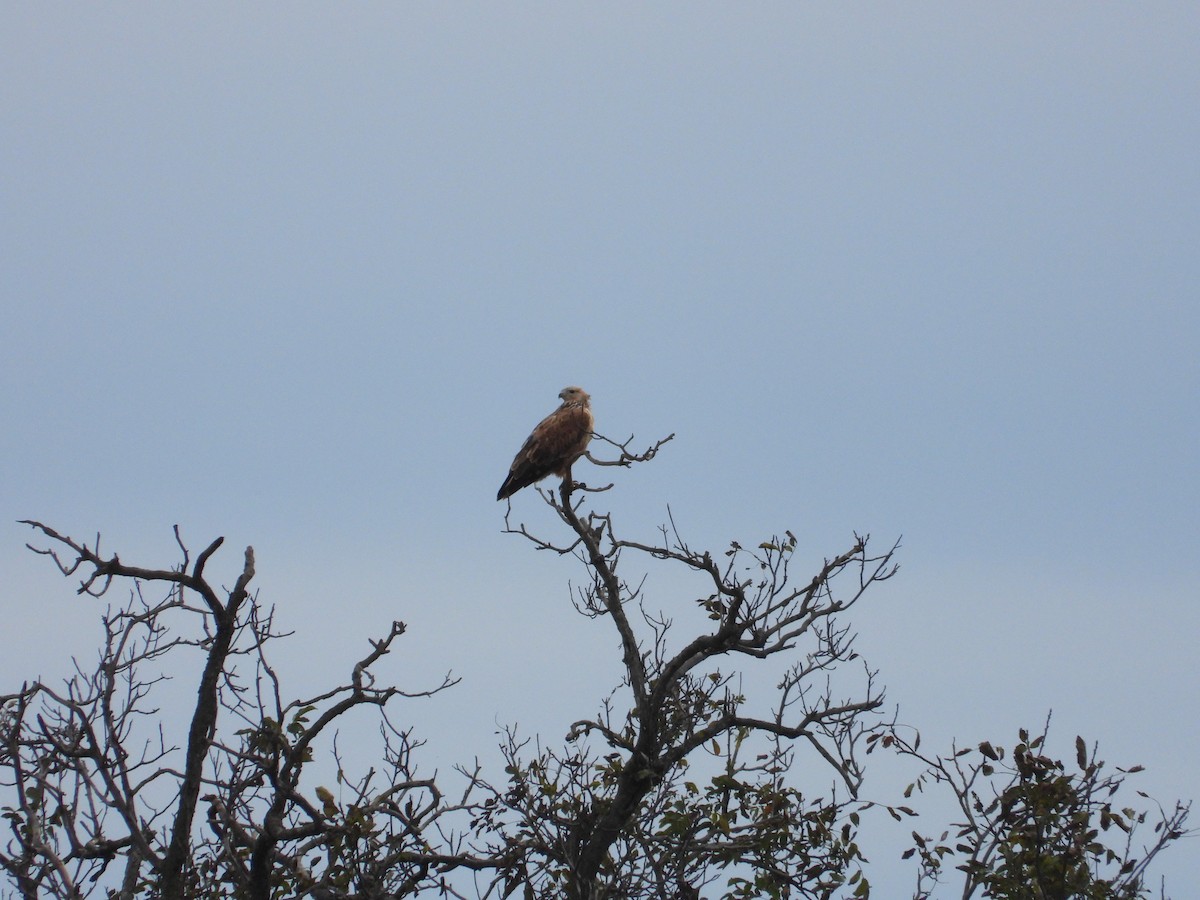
(306, 275)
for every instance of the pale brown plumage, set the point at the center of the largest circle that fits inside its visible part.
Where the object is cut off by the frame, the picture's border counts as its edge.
(559, 440)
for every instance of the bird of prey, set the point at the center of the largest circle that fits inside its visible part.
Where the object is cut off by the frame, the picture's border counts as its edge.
(559, 440)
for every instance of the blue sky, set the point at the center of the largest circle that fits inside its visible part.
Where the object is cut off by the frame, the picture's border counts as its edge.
(305, 275)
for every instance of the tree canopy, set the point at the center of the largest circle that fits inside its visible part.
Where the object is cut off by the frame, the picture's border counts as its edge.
(681, 783)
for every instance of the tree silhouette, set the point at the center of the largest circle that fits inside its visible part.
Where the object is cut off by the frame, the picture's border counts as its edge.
(623, 809)
(727, 762)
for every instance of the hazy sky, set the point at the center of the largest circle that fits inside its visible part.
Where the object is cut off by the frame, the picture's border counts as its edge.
(305, 275)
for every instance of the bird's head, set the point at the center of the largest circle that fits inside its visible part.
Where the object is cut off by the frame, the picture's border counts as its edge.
(574, 395)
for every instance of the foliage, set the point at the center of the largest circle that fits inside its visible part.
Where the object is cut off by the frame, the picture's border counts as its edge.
(1034, 828)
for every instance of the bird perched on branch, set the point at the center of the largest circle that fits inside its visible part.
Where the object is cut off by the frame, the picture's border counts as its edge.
(559, 440)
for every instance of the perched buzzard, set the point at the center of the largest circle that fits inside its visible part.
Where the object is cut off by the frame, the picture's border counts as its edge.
(555, 444)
